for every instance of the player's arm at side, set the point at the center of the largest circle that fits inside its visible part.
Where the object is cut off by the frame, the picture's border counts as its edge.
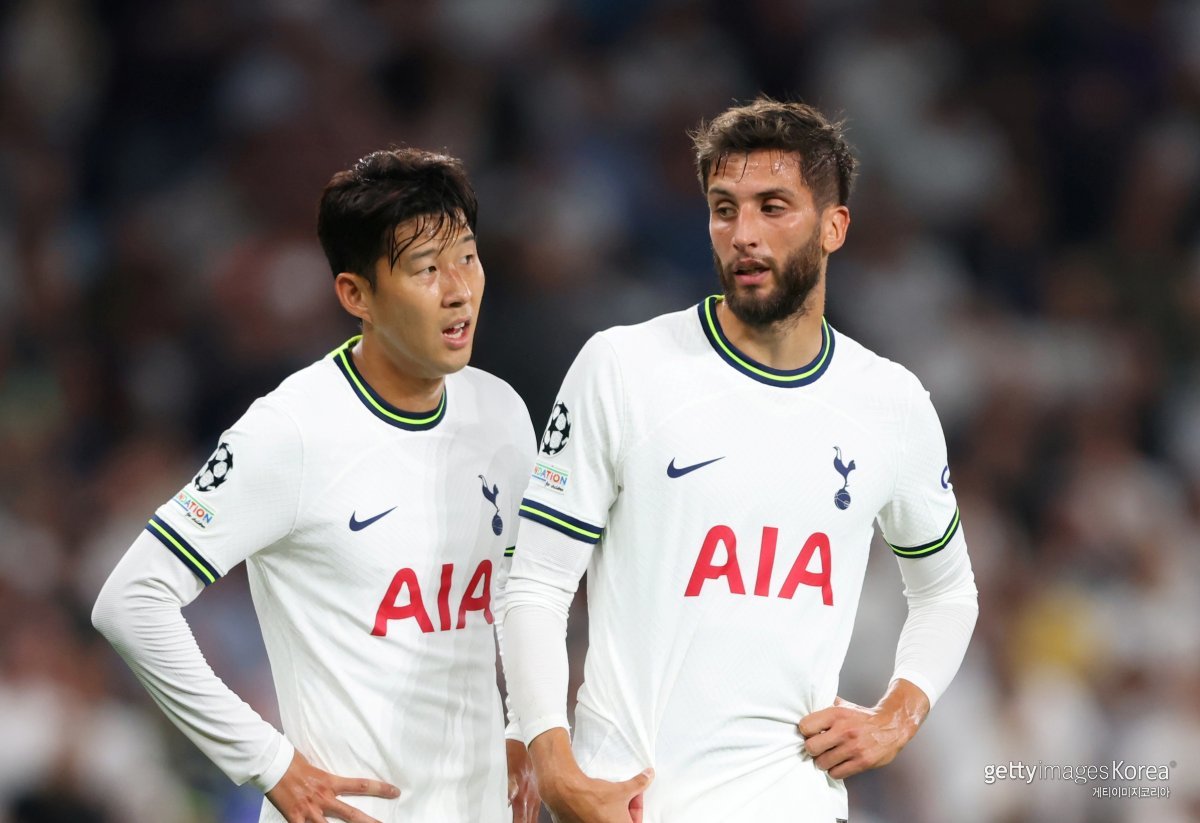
(847, 739)
(139, 610)
(522, 786)
(921, 524)
(541, 586)
(563, 520)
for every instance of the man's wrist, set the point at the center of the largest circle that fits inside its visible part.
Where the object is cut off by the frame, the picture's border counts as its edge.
(904, 708)
(554, 765)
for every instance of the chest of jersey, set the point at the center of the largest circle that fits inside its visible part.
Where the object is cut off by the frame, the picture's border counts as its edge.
(408, 535)
(757, 492)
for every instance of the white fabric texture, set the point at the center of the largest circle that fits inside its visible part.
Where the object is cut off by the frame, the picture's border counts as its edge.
(536, 606)
(727, 511)
(139, 612)
(943, 605)
(375, 543)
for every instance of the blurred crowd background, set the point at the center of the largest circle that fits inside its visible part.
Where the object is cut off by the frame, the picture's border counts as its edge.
(1026, 238)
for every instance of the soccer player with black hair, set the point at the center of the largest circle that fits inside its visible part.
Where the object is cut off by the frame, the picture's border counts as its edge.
(373, 497)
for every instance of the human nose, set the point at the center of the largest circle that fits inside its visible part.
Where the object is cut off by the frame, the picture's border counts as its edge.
(455, 288)
(745, 232)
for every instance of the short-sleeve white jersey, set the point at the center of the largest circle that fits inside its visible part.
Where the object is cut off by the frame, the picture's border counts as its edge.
(733, 507)
(375, 541)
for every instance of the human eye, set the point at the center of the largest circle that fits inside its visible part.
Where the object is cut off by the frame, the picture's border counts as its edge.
(725, 211)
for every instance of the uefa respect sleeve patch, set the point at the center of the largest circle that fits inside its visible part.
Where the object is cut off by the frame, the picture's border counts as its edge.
(200, 514)
(551, 477)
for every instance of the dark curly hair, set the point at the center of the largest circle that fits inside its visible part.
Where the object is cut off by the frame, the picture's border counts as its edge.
(826, 161)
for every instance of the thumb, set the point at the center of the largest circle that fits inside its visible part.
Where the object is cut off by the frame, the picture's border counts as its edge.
(639, 782)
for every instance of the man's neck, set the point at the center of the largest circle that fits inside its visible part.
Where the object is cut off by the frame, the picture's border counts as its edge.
(787, 345)
(399, 388)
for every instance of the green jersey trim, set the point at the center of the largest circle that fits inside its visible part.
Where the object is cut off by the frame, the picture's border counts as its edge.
(385, 411)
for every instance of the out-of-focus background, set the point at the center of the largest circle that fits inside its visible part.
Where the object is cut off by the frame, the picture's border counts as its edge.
(1026, 238)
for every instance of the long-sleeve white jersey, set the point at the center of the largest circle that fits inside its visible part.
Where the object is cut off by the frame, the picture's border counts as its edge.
(731, 507)
(376, 543)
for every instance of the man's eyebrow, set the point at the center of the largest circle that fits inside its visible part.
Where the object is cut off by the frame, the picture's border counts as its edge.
(766, 194)
(432, 251)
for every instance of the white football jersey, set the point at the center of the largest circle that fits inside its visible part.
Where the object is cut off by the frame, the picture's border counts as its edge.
(733, 505)
(375, 541)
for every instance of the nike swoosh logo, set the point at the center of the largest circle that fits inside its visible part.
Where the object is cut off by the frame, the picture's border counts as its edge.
(681, 471)
(359, 525)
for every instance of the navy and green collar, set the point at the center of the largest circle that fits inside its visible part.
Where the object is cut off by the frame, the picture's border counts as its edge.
(750, 367)
(385, 411)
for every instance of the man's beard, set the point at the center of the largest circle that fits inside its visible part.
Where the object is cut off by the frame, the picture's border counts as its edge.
(794, 282)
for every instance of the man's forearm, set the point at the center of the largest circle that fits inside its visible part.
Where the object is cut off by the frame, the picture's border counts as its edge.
(138, 611)
(536, 668)
(942, 610)
(537, 598)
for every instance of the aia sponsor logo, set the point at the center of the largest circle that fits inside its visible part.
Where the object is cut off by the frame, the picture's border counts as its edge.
(404, 600)
(711, 566)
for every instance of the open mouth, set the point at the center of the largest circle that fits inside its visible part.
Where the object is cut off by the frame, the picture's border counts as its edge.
(457, 333)
(751, 271)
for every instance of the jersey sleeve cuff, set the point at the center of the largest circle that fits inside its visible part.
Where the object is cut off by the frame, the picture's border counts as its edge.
(920, 681)
(560, 521)
(530, 730)
(277, 767)
(186, 553)
(932, 547)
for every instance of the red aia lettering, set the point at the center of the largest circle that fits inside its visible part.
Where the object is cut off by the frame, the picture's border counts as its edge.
(394, 606)
(705, 570)
(800, 574)
(390, 608)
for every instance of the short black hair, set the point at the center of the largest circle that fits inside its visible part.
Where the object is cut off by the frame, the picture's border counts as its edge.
(362, 206)
(827, 163)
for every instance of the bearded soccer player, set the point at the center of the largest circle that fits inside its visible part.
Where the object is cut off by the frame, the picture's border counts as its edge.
(718, 472)
(373, 497)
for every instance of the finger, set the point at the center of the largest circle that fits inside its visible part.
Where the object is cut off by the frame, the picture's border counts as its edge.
(638, 783)
(528, 806)
(341, 811)
(364, 787)
(818, 721)
(637, 808)
(833, 758)
(818, 744)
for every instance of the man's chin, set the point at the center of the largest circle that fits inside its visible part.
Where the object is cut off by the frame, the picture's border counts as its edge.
(456, 361)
